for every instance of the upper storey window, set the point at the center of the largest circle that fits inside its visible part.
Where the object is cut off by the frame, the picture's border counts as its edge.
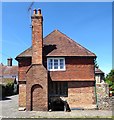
(56, 64)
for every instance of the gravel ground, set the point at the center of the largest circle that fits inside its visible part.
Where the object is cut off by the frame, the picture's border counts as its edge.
(10, 110)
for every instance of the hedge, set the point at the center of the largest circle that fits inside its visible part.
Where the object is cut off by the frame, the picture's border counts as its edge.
(6, 89)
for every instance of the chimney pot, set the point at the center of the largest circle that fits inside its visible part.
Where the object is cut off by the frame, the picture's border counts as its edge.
(35, 11)
(39, 11)
(9, 61)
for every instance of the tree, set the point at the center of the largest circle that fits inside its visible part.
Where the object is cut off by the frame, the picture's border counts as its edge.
(110, 80)
(96, 64)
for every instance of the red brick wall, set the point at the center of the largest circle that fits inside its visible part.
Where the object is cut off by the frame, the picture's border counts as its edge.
(36, 76)
(37, 88)
(24, 64)
(37, 38)
(77, 69)
(22, 95)
(81, 94)
(37, 97)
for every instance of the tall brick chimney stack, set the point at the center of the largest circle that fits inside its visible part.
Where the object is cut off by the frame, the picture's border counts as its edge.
(37, 37)
(37, 76)
(9, 62)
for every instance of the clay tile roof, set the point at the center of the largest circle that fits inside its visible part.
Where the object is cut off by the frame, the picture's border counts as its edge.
(26, 53)
(2, 68)
(98, 71)
(58, 44)
(8, 73)
(8, 70)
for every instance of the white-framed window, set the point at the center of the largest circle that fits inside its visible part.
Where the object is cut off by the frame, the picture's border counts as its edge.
(56, 64)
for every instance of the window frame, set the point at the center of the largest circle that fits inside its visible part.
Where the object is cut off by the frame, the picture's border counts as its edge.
(56, 58)
(58, 89)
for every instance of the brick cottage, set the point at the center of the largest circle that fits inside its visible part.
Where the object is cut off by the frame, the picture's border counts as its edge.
(55, 69)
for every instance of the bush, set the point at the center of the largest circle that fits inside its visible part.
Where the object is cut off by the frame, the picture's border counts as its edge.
(110, 80)
(9, 88)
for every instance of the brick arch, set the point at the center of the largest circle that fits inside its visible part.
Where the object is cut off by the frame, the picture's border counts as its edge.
(36, 97)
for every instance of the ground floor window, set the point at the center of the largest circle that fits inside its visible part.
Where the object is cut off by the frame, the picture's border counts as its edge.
(58, 88)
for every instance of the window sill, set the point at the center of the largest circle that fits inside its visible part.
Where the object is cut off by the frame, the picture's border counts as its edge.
(58, 70)
(58, 95)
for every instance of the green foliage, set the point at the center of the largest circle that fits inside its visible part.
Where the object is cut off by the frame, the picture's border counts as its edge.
(96, 64)
(110, 80)
(9, 88)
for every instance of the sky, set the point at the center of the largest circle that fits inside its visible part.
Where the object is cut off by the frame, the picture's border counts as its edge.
(88, 23)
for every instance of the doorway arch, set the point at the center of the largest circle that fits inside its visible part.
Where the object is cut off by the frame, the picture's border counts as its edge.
(36, 97)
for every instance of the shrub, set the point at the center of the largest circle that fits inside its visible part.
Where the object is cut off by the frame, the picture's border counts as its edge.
(110, 80)
(9, 88)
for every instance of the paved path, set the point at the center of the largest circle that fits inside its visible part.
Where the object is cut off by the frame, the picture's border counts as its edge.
(10, 110)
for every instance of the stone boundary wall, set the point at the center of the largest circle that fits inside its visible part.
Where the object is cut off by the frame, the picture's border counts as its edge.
(104, 102)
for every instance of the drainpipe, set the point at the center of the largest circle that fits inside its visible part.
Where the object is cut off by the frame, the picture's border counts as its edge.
(96, 95)
(95, 86)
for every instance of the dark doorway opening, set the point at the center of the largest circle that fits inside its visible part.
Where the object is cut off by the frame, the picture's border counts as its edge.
(57, 105)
